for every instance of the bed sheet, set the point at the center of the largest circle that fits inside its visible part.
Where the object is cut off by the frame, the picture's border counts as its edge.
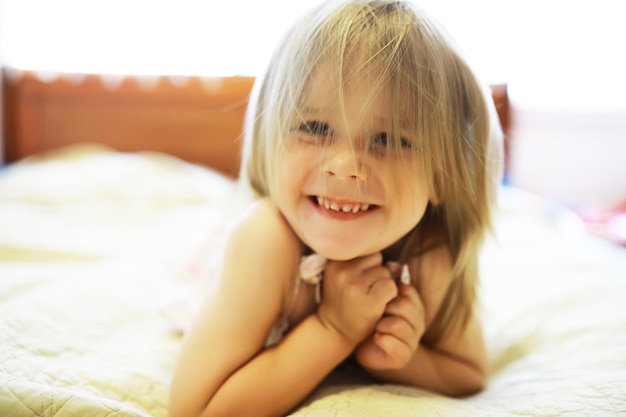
(554, 307)
(94, 243)
(91, 244)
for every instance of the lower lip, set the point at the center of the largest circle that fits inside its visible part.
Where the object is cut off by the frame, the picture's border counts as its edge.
(341, 215)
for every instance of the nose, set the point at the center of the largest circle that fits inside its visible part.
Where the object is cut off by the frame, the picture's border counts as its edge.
(344, 161)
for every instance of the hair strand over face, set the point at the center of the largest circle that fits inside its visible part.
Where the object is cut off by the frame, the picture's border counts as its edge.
(397, 49)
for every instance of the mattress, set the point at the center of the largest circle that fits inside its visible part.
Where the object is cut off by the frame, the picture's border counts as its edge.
(96, 246)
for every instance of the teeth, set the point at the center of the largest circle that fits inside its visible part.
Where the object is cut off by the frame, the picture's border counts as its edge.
(346, 208)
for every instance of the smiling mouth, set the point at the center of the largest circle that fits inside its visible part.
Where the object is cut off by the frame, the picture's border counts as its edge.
(342, 207)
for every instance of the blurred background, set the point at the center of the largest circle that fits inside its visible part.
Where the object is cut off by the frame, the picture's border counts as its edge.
(563, 62)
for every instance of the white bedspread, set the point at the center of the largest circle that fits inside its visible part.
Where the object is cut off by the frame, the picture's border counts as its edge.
(93, 244)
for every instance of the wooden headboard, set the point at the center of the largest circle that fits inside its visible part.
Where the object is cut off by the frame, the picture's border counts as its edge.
(193, 118)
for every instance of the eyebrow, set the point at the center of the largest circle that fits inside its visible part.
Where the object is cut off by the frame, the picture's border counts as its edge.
(316, 110)
(313, 110)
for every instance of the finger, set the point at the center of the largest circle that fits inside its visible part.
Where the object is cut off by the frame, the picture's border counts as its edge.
(368, 273)
(392, 346)
(409, 291)
(370, 276)
(403, 308)
(397, 327)
(359, 265)
(383, 289)
(408, 302)
(368, 261)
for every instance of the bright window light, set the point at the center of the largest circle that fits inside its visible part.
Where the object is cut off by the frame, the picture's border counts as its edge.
(552, 53)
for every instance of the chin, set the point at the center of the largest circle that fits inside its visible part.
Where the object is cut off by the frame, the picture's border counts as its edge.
(333, 256)
(338, 252)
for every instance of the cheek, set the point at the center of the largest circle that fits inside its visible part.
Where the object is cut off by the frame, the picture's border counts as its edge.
(291, 170)
(284, 182)
(420, 209)
(414, 200)
(414, 210)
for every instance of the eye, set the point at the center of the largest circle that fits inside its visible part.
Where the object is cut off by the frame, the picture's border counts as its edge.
(315, 127)
(382, 140)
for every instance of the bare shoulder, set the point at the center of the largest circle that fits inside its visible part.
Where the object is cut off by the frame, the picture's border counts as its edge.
(263, 242)
(261, 216)
(263, 228)
(259, 264)
(432, 277)
(260, 261)
(431, 273)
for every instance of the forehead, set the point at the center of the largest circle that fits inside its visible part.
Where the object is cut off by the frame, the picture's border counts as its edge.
(327, 89)
(368, 98)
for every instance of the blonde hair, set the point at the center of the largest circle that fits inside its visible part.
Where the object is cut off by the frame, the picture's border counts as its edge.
(434, 94)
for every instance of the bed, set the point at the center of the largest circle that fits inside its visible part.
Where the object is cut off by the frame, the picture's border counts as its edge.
(112, 205)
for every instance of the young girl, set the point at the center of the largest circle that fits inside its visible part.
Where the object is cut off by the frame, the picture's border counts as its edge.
(374, 155)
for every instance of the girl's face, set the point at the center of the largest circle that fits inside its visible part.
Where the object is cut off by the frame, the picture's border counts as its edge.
(336, 185)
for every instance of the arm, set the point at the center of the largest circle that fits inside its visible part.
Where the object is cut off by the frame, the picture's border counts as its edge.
(455, 365)
(223, 368)
(280, 377)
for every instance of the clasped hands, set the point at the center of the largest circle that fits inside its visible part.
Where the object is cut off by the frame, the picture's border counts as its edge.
(383, 319)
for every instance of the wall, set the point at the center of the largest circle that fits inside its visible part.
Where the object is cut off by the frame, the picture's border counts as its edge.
(578, 157)
(560, 58)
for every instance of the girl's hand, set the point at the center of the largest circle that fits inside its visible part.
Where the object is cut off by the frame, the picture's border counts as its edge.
(355, 296)
(397, 333)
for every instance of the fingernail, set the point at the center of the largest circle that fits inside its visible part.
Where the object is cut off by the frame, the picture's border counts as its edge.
(393, 267)
(405, 276)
